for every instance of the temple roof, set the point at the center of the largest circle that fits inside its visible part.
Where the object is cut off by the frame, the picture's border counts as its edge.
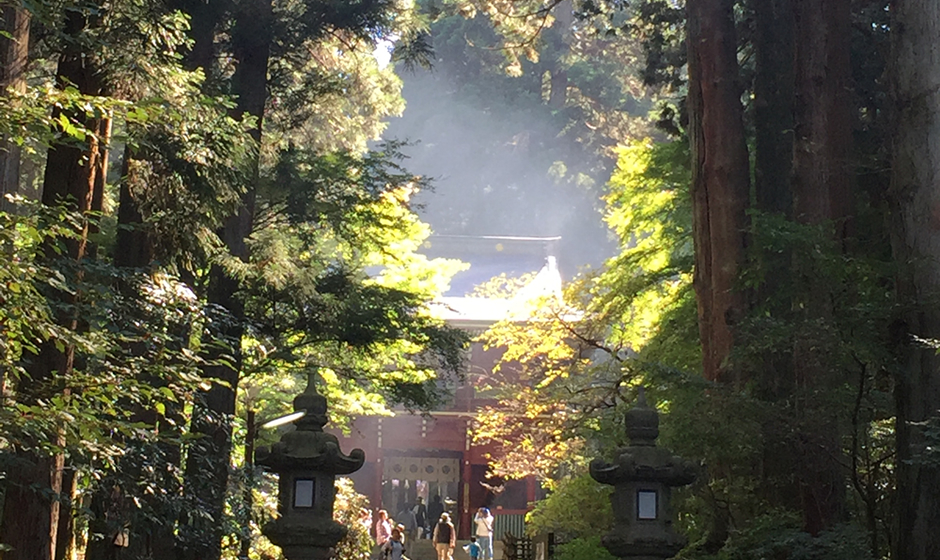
(489, 257)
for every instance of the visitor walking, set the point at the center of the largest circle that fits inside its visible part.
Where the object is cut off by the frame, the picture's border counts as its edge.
(421, 518)
(435, 509)
(444, 538)
(394, 548)
(483, 520)
(383, 528)
(409, 520)
(473, 549)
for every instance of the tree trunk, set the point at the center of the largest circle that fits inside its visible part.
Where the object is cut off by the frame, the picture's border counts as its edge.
(31, 508)
(65, 534)
(823, 170)
(720, 179)
(134, 246)
(558, 82)
(915, 203)
(209, 457)
(773, 105)
(822, 178)
(773, 170)
(205, 17)
(774, 79)
(14, 51)
(135, 249)
(148, 519)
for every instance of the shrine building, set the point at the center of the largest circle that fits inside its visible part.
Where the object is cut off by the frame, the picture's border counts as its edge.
(413, 455)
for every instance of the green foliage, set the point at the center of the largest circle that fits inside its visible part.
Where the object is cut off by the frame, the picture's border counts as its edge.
(571, 367)
(312, 304)
(330, 96)
(105, 392)
(578, 508)
(779, 537)
(645, 291)
(587, 548)
(357, 545)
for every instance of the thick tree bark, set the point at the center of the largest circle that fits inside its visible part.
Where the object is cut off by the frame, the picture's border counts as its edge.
(773, 105)
(14, 51)
(915, 201)
(822, 178)
(822, 158)
(208, 462)
(31, 507)
(720, 179)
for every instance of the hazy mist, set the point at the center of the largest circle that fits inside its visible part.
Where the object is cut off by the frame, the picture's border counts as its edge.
(500, 161)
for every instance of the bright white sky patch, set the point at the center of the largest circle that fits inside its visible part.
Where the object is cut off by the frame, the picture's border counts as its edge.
(383, 52)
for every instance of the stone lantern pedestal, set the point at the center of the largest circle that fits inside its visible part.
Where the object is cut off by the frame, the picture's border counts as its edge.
(307, 461)
(643, 476)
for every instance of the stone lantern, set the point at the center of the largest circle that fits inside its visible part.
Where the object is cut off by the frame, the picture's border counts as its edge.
(643, 476)
(307, 461)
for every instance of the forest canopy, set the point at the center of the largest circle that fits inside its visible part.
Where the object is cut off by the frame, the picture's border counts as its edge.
(205, 203)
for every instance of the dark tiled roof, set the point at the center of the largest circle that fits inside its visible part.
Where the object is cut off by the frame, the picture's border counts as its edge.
(490, 256)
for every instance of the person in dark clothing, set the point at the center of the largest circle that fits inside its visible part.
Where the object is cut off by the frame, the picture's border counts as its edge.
(444, 538)
(435, 510)
(421, 517)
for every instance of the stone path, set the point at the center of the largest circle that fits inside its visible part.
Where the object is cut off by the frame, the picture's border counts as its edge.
(424, 550)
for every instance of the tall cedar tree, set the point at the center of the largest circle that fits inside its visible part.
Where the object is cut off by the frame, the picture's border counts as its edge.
(720, 178)
(803, 171)
(74, 176)
(774, 92)
(915, 203)
(207, 465)
(822, 177)
(14, 56)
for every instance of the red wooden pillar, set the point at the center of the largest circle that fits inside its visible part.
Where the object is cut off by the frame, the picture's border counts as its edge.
(379, 466)
(466, 518)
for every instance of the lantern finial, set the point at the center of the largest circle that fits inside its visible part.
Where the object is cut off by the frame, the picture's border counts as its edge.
(313, 403)
(642, 422)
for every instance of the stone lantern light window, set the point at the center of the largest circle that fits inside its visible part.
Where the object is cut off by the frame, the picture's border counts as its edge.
(646, 505)
(304, 489)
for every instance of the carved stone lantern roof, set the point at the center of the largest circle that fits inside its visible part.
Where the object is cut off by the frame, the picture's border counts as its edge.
(642, 460)
(308, 446)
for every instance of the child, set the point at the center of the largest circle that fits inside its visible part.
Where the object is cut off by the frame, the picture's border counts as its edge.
(393, 549)
(473, 549)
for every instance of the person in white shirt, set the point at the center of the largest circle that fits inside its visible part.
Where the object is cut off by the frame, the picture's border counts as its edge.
(484, 532)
